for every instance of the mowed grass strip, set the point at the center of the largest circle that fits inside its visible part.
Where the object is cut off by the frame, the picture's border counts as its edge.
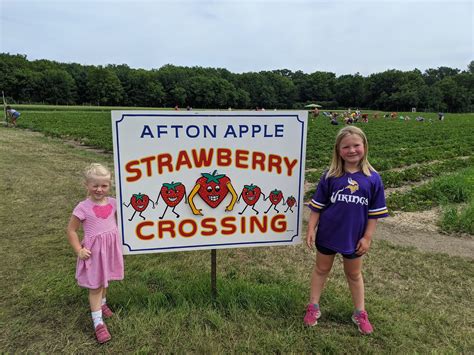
(417, 302)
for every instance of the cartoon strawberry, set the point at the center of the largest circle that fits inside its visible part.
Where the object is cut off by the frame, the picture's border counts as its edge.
(290, 201)
(250, 193)
(172, 195)
(275, 197)
(212, 189)
(139, 203)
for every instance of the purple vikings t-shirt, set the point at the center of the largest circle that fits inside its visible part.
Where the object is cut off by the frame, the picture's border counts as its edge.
(345, 204)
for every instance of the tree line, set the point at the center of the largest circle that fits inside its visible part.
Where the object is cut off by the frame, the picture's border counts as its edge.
(45, 81)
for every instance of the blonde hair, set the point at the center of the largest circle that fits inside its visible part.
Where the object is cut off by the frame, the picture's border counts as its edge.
(96, 170)
(336, 168)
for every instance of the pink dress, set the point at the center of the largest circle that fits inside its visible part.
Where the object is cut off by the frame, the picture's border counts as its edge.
(101, 238)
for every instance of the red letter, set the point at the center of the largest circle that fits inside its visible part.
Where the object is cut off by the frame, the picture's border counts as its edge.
(243, 227)
(258, 158)
(202, 159)
(164, 160)
(274, 161)
(166, 226)
(129, 167)
(138, 230)
(183, 159)
(224, 157)
(241, 157)
(148, 161)
(278, 223)
(290, 165)
(209, 223)
(228, 222)
(185, 234)
(254, 221)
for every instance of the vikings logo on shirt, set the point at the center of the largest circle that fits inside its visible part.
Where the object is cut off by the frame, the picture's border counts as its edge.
(353, 185)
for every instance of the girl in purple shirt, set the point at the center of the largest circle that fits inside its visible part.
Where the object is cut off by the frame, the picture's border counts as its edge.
(344, 211)
(99, 255)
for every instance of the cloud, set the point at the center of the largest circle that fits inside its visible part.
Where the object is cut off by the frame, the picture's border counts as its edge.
(337, 36)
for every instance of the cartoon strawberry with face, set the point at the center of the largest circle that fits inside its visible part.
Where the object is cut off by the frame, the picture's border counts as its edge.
(172, 194)
(275, 197)
(290, 201)
(212, 189)
(250, 194)
(139, 203)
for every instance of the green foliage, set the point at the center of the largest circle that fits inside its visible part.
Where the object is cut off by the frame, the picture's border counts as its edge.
(454, 192)
(423, 171)
(458, 219)
(44, 81)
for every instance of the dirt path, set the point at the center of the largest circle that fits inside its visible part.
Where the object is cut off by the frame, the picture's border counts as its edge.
(416, 229)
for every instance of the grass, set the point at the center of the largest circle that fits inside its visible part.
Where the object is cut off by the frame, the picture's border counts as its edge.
(433, 146)
(164, 305)
(454, 192)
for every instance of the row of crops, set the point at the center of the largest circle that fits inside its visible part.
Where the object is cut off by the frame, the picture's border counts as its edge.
(404, 152)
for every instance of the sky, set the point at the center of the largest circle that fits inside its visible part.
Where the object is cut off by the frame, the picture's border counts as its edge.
(338, 36)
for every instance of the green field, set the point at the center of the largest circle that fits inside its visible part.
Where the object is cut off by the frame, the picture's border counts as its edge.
(404, 152)
(418, 302)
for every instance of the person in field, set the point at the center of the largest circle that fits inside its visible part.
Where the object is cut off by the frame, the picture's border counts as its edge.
(344, 211)
(12, 115)
(99, 255)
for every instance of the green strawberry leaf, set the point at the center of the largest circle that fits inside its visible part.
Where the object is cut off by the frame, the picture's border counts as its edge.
(138, 196)
(212, 178)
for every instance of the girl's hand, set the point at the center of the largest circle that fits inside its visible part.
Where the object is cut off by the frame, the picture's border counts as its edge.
(84, 254)
(363, 246)
(310, 238)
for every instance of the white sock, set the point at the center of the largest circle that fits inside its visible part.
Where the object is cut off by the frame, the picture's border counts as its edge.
(104, 301)
(97, 318)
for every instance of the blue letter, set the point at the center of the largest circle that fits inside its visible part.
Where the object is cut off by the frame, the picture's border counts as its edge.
(230, 131)
(161, 129)
(146, 132)
(279, 130)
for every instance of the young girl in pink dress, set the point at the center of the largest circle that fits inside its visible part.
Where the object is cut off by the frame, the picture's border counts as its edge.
(99, 255)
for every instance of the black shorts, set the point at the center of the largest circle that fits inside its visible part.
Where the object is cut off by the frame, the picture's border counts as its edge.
(327, 251)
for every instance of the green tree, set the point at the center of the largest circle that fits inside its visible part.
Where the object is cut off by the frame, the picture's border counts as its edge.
(455, 97)
(57, 87)
(350, 90)
(104, 86)
(178, 95)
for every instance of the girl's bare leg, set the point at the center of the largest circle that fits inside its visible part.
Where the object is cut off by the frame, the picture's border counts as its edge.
(321, 270)
(353, 271)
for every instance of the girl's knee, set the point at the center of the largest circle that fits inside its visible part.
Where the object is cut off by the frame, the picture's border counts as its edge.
(353, 276)
(96, 291)
(322, 270)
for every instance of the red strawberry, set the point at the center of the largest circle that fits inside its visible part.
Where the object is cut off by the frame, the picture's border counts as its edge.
(251, 194)
(173, 193)
(291, 201)
(139, 202)
(213, 188)
(276, 196)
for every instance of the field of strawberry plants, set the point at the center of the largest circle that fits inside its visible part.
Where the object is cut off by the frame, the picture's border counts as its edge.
(404, 152)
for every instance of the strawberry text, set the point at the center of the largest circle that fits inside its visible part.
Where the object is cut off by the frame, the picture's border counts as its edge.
(209, 226)
(221, 157)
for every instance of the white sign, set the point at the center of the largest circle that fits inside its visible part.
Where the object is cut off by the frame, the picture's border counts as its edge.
(208, 179)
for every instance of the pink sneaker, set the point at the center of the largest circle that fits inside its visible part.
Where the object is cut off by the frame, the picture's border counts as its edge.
(102, 333)
(362, 322)
(312, 315)
(106, 311)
